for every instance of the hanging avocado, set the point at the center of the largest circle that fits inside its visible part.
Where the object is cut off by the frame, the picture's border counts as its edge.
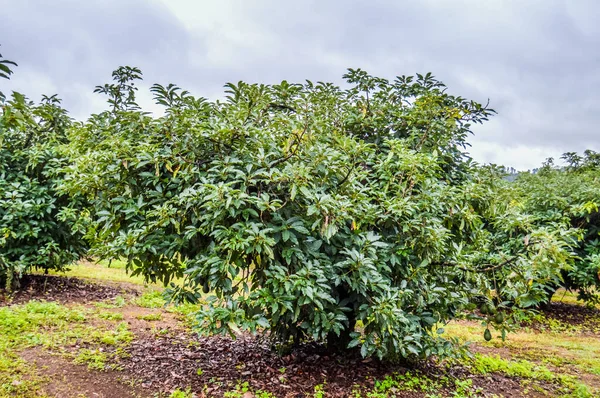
(499, 318)
(487, 335)
(205, 287)
(484, 309)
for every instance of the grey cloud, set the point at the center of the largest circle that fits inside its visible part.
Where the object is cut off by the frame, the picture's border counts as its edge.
(536, 60)
(77, 44)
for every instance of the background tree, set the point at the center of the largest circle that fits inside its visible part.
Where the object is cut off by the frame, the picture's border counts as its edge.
(568, 198)
(39, 227)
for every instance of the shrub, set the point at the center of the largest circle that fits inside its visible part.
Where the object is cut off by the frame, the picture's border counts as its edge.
(568, 197)
(39, 227)
(305, 208)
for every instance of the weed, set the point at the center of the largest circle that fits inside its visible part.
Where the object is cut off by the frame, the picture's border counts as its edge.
(150, 317)
(527, 370)
(319, 390)
(116, 302)
(110, 316)
(242, 388)
(181, 394)
(95, 359)
(117, 337)
(151, 299)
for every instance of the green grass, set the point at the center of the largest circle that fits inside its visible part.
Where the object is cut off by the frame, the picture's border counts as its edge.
(110, 316)
(95, 359)
(150, 317)
(102, 271)
(33, 324)
(524, 369)
(116, 302)
(151, 299)
(57, 328)
(558, 354)
(113, 271)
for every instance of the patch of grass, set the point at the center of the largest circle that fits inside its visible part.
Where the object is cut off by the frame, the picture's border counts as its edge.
(409, 381)
(150, 317)
(554, 348)
(120, 336)
(568, 297)
(116, 302)
(243, 388)
(32, 324)
(101, 271)
(29, 324)
(484, 364)
(186, 312)
(181, 394)
(151, 299)
(94, 359)
(110, 316)
(394, 384)
(21, 387)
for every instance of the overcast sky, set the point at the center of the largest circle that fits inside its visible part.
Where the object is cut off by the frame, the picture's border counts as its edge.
(538, 61)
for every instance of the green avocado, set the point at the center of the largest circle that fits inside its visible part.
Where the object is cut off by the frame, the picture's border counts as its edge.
(487, 335)
(205, 287)
(499, 318)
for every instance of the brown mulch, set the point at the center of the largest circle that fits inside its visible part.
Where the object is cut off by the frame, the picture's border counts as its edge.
(173, 361)
(167, 362)
(61, 289)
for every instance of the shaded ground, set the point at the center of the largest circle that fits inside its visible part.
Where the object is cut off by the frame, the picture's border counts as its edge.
(580, 318)
(163, 355)
(216, 365)
(62, 289)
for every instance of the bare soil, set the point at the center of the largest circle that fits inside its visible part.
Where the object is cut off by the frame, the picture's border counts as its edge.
(65, 379)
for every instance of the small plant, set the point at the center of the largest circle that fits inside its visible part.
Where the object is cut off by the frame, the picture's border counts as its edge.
(464, 389)
(151, 299)
(116, 302)
(95, 359)
(110, 316)
(319, 390)
(240, 389)
(121, 335)
(177, 393)
(150, 317)
(199, 372)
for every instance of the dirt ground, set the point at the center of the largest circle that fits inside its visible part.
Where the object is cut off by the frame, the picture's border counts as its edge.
(164, 357)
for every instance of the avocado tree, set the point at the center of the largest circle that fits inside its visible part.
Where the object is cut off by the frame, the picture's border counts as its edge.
(304, 209)
(39, 227)
(569, 198)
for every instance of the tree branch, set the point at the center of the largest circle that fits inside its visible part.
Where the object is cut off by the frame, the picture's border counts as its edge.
(294, 151)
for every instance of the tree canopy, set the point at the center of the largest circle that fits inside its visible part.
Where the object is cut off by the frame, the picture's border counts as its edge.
(39, 227)
(306, 209)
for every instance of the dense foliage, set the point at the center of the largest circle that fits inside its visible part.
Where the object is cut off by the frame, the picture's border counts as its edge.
(568, 198)
(301, 210)
(306, 208)
(39, 227)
